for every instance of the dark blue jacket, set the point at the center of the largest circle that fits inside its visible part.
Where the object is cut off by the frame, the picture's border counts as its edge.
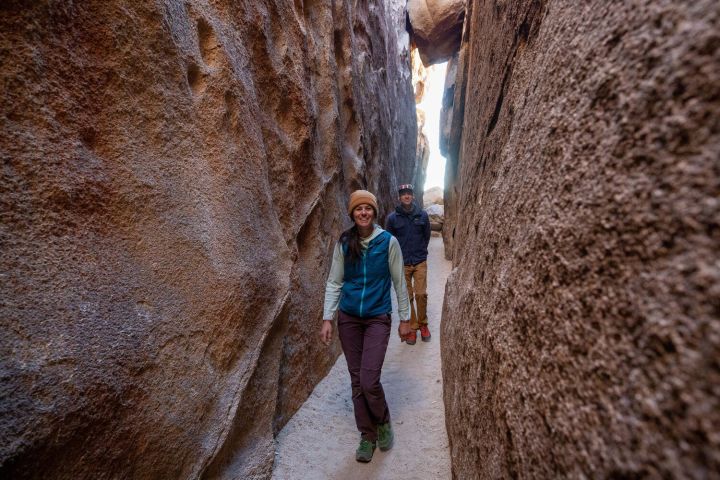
(366, 284)
(412, 229)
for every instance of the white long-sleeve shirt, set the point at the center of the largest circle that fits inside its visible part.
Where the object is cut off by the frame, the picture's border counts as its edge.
(334, 283)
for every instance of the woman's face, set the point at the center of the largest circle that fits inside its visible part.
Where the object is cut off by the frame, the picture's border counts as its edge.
(363, 215)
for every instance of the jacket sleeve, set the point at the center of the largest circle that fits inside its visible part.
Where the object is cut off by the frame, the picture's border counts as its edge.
(334, 283)
(397, 272)
(390, 224)
(426, 231)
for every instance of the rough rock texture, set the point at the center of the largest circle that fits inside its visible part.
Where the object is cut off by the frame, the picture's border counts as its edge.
(436, 28)
(422, 156)
(422, 147)
(436, 213)
(419, 74)
(433, 195)
(174, 176)
(581, 327)
(451, 128)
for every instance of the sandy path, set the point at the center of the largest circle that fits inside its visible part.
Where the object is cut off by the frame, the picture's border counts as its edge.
(319, 441)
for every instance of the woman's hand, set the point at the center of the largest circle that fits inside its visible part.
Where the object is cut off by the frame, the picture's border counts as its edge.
(326, 332)
(404, 329)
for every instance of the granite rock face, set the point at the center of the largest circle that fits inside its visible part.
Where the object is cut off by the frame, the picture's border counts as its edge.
(436, 213)
(419, 74)
(175, 175)
(432, 196)
(436, 25)
(586, 241)
(422, 156)
(451, 125)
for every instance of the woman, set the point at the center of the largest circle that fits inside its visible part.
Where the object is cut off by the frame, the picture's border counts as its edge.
(365, 261)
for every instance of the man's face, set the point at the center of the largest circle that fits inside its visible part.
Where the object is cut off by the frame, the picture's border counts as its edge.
(406, 198)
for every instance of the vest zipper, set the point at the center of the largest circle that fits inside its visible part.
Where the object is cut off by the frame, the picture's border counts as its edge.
(362, 295)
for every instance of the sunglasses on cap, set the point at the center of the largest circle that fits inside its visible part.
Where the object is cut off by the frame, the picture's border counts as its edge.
(405, 186)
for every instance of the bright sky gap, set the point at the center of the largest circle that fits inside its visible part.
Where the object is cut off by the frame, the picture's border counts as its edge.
(431, 104)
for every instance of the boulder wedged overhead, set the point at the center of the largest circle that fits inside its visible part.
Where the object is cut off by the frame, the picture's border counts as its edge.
(175, 176)
(581, 330)
(436, 28)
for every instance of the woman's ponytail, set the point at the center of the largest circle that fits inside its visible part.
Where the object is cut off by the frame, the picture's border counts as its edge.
(351, 240)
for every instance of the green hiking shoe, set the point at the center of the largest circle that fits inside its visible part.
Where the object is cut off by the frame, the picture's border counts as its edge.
(386, 437)
(365, 451)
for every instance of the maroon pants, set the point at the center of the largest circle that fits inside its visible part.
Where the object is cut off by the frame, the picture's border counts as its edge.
(364, 342)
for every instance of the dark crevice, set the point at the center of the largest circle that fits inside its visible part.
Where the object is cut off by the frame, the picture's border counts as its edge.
(499, 102)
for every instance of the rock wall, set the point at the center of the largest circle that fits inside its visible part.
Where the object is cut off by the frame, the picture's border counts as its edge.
(452, 114)
(422, 156)
(174, 177)
(581, 327)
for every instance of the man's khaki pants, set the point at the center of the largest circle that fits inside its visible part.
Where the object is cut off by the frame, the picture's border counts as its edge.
(416, 280)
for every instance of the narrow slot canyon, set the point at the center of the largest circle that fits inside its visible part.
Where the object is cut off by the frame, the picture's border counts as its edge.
(176, 175)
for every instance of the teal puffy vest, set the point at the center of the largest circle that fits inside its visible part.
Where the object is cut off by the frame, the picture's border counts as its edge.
(366, 284)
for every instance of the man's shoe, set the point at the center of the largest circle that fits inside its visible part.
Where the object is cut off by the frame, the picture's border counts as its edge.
(424, 333)
(365, 451)
(386, 436)
(411, 337)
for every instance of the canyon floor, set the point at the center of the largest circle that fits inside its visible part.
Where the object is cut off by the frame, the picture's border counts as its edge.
(319, 441)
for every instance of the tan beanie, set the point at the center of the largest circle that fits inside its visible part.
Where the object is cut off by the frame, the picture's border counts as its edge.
(358, 197)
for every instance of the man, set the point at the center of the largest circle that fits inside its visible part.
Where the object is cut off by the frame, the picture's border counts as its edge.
(411, 226)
